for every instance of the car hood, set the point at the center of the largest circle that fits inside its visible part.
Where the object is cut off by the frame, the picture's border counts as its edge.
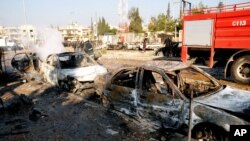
(85, 73)
(229, 99)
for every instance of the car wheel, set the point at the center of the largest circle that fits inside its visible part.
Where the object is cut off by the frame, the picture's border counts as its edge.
(207, 132)
(240, 70)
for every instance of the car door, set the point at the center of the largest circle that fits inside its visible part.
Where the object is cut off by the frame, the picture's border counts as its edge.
(21, 62)
(122, 91)
(160, 103)
(50, 69)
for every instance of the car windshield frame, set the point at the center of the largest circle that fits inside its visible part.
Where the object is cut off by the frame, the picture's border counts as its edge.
(88, 60)
(208, 76)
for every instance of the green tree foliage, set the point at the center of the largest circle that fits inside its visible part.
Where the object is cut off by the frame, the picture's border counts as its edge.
(178, 23)
(170, 24)
(162, 23)
(102, 26)
(113, 31)
(135, 20)
(152, 24)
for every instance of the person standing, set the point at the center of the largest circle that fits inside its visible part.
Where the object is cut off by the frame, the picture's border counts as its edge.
(79, 45)
(167, 49)
(88, 48)
(145, 41)
(76, 44)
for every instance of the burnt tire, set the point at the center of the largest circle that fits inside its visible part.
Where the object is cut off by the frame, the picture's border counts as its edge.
(240, 70)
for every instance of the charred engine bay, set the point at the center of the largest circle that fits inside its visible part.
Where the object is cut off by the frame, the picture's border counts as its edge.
(33, 109)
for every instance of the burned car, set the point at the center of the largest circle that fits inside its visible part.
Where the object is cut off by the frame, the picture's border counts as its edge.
(165, 93)
(73, 71)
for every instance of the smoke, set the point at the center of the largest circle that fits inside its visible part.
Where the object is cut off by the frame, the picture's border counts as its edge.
(49, 41)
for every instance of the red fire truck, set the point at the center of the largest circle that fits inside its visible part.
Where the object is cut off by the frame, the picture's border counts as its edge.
(220, 35)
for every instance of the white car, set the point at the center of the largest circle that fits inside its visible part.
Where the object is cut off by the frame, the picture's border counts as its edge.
(152, 46)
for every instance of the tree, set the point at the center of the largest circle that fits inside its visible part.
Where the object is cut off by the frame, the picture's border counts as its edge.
(170, 24)
(113, 30)
(162, 23)
(152, 24)
(102, 26)
(168, 10)
(179, 25)
(135, 20)
(157, 24)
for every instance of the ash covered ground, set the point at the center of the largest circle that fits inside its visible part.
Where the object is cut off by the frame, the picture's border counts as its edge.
(42, 112)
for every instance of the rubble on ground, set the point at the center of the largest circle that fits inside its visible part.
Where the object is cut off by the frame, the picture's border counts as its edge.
(12, 109)
(10, 102)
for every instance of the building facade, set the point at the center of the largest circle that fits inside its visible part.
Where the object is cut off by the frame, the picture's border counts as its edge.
(74, 31)
(19, 33)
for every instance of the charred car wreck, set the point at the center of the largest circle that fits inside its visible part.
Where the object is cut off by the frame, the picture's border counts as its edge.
(74, 71)
(161, 93)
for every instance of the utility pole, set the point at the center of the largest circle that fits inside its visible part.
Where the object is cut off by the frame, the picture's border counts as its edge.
(181, 2)
(181, 8)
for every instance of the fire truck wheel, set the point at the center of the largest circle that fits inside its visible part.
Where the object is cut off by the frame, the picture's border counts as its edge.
(240, 70)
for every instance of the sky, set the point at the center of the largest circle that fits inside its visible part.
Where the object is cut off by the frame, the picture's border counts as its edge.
(63, 12)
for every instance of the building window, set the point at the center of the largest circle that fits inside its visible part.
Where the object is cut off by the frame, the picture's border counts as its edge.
(24, 30)
(31, 30)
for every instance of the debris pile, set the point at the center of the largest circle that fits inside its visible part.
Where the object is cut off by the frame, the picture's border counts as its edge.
(13, 102)
(13, 109)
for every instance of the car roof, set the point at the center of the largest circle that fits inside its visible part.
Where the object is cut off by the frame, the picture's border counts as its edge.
(69, 53)
(166, 65)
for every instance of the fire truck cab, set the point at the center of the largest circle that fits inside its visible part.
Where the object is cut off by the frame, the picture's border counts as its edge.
(220, 35)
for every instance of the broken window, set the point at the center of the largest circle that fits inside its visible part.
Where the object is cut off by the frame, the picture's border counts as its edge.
(196, 83)
(125, 78)
(21, 62)
(74, 61)
(155, 88)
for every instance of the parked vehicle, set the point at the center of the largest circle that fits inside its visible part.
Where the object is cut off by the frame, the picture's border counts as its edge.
(151, 46)
(8, 44)
(160, 93)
